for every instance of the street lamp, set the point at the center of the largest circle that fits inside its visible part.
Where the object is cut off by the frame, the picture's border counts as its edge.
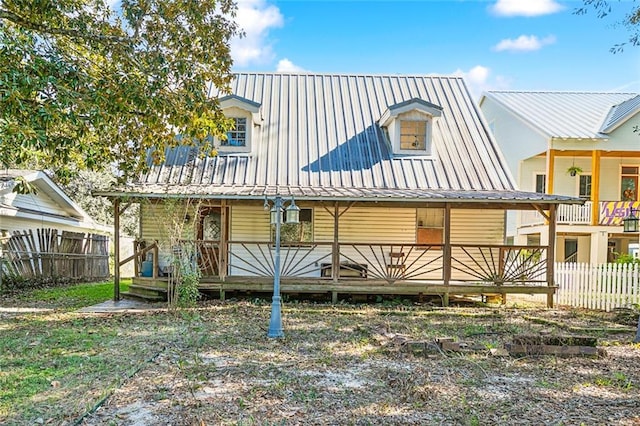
(630, 223)
(293, 216)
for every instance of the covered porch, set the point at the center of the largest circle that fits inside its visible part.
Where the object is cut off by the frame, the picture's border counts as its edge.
(342, 264)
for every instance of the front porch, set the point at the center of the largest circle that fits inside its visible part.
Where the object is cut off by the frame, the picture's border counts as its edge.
(357, 268)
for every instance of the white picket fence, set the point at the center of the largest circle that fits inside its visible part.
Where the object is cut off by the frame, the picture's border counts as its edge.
(603, 287)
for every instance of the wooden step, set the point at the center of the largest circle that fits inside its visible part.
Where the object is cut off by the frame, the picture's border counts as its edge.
(148, 288)
(144, 297)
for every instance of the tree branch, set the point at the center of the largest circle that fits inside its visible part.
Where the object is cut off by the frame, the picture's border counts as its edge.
(34, 26)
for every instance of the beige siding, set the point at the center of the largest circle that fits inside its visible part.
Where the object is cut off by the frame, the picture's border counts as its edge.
(156, 225)
(378, 224)
(368, 235)
(477, 226)
(249, 223)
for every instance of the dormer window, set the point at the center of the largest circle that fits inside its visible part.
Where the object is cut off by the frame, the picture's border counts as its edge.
(237, 136)
(409, 125)
(413, 135)
(246, 118)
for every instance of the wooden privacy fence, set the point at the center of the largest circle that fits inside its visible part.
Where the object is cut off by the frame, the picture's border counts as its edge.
(604, 287)
(43, 253)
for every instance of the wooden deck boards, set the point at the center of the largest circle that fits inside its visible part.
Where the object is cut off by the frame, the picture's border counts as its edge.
(355, 286)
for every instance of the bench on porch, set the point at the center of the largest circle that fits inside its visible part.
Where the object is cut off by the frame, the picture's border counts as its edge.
(347, 270)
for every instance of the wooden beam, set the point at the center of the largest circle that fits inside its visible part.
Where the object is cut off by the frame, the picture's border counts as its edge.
(446, 252)
(224, 237)
(583, 153)
(551, 162)
(116, 249)
(125, 207)
(541, 211)
(551, 254)
(595, 187)
(335, 251)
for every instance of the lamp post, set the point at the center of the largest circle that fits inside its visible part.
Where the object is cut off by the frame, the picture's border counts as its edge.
(630, 223)
(293, 216)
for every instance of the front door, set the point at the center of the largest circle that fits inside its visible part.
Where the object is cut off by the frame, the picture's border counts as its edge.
(209, 236)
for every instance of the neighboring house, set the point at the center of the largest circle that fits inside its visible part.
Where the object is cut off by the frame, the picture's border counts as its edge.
(46, 234)
(545, 136)
(401, 187)
(46, 207)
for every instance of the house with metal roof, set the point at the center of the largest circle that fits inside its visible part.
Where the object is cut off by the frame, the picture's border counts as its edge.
(578, 144)
(400, 187)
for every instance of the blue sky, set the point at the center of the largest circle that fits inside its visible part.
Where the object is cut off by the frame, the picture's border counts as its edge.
(495, 45)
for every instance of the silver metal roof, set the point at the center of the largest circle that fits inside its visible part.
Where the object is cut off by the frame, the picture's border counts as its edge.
(569, 114)
(319, 138)
(620, 113)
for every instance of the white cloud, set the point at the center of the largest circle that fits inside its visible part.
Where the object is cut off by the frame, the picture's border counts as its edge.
(479, 79)
(524, 43)
(285, 65)
(255, 18)
(525, 7)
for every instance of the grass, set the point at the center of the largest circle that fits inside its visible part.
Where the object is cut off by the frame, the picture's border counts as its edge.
(74, 297)
(216, 366)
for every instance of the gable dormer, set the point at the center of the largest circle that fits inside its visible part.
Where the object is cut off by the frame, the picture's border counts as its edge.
(246, 117)
(409, 126)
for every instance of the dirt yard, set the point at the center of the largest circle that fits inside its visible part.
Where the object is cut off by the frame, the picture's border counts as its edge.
(372, 364)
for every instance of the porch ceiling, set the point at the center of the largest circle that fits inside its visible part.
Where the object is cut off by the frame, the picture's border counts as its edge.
(337, 194)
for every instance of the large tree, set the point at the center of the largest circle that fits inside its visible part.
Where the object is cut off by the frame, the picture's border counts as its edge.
(630, 18)
(87, 86)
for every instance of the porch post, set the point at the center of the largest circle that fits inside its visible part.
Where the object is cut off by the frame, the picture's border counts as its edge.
(551, 162)
(551, 253)
(446, 255)
(222, 266)
(116, 250)
(335, 249)
(595, 187)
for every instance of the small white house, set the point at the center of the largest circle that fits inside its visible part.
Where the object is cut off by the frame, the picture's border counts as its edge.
(47, 235)
(47, 207)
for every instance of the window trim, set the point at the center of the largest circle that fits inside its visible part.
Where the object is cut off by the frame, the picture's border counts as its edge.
(585, 197)
(535, 182)
(637, 180)
(225, 144)
(427, 132)
(397, 134)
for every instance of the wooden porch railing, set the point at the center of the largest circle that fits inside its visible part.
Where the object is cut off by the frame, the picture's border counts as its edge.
(525, 265)
(481, 264)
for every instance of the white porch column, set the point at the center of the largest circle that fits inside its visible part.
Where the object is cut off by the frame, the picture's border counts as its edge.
(598, 247)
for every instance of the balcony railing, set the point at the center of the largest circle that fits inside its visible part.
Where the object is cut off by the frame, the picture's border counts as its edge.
(567, 214)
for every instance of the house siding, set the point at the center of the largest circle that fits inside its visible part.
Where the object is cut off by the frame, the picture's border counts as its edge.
(363, 230)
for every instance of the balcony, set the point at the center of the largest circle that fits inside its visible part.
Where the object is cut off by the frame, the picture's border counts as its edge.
(611, 214)
(567, 215)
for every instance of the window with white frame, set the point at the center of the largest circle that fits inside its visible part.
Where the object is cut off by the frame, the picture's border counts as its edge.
(584, 186)
(237, 136)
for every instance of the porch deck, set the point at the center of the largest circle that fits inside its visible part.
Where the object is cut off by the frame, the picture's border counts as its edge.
(356, 268)
(346, 286)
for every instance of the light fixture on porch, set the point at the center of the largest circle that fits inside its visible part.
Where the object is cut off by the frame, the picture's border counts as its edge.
(631, 222)
(292, 216)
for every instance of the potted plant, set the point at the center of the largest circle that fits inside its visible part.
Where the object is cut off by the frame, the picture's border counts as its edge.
(574, 170)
